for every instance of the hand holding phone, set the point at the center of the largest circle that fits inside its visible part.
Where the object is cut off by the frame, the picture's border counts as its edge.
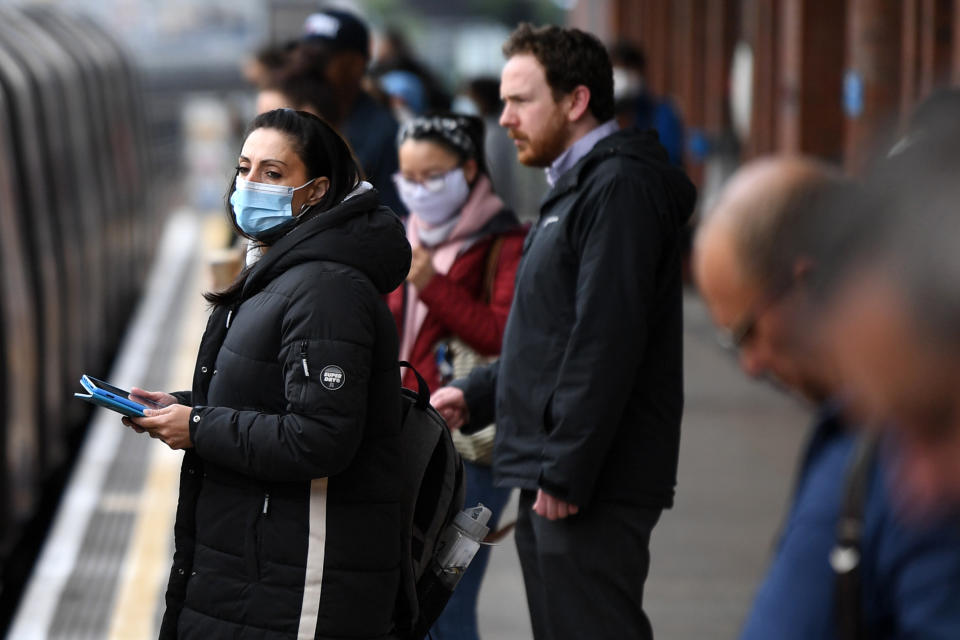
(116, 399)
(159, 398)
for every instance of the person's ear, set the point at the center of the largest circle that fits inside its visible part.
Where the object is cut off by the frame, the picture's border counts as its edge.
(470, 170)
(320, 187)
(802, 270)
(579, 101)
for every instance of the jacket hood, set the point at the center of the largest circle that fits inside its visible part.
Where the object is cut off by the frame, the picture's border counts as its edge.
(358, 232)
(643, 147)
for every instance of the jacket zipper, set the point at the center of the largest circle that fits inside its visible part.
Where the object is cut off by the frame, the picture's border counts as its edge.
(303, 358)
(255, 553)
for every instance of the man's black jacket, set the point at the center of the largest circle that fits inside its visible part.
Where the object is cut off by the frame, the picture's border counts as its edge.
(588, 391)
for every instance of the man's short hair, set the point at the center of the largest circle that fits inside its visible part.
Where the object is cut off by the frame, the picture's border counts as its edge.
(570, 58)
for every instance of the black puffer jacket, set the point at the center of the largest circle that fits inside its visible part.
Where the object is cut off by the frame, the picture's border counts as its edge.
(288, 524)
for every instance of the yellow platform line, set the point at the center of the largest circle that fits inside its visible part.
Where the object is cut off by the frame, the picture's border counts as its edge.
(146, 567)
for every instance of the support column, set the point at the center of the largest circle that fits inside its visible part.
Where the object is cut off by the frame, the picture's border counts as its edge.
(873, 65)
(955, 30)
(761, 30)
(936, 43)
(909, 59)
(687, 33)
(655, 37)
(810, 97)
(719, 40)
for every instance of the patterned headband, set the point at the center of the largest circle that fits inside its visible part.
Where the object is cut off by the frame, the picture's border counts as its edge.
(450, 129)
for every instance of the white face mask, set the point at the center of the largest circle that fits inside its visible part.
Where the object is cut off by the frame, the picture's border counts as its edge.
(436, 200)
(626, 82)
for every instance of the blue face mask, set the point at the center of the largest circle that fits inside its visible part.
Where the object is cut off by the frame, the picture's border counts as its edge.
(261, 208)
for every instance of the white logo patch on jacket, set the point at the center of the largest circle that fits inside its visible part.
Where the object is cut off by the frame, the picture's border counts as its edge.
(332, 377)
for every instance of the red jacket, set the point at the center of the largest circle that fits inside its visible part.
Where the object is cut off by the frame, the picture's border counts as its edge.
(456, 305)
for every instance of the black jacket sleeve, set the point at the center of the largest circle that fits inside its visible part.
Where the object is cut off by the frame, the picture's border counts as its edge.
(326, 356)
(619, 236)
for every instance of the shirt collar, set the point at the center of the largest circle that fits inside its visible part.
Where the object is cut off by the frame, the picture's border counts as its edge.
(578, 149)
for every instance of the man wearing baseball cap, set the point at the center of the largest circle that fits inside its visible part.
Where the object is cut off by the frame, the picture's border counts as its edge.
(337, 43)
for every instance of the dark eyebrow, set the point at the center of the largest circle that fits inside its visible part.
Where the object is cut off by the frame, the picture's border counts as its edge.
(273, 160)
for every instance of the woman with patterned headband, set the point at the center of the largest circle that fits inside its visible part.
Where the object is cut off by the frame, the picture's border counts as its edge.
(453, 308)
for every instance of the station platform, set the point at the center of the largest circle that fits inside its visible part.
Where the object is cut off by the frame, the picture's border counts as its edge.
(103, 569)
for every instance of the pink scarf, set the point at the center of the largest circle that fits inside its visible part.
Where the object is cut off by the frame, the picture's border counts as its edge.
(482, 205)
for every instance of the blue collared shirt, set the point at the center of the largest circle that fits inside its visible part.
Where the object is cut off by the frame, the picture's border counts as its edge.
(578, 149)
(910, 571)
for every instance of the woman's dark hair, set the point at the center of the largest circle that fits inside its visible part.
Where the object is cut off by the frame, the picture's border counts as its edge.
(462, 135)
(323, 152)
(569, 57)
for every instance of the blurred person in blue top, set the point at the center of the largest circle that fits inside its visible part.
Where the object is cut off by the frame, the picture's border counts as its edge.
(406, 94)
(338, 44)
(754, 264)
(637, 106)
(392, 52)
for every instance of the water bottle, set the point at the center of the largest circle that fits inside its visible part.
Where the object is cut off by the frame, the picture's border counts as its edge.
(459, 543)
(452, 555)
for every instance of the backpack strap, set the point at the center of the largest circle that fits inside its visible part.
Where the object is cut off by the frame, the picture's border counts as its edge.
(490, 270)
(423, 389)
(846, 555)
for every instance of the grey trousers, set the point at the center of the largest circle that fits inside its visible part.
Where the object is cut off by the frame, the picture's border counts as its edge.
(584, 575)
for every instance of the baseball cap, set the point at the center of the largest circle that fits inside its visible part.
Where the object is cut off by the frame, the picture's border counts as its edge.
(340, 30)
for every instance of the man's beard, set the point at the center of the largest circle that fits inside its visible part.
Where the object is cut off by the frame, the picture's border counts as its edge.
(550, 143)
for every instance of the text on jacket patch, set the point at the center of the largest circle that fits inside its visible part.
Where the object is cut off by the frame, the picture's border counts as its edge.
(332, 377)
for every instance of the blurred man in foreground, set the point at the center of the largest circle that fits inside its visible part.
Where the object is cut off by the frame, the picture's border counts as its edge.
(894, 309)
(883, 577)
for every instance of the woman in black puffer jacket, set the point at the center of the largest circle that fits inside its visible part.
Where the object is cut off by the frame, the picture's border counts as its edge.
(288, 524)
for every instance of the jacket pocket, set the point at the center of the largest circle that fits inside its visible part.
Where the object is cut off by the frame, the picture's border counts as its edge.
(547, 414)
(253, 551)
(304, 361)
(298, 373)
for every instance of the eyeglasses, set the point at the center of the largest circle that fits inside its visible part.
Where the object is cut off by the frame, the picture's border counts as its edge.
(744, 331)
(741, 333)
(433, 184)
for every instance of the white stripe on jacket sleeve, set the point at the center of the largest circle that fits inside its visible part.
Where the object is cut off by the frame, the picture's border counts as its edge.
(316, 550)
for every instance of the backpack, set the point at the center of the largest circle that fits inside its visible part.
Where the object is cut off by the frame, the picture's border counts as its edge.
(433, 493)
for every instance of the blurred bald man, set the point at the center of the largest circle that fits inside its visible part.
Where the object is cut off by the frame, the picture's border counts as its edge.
(882, 577)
